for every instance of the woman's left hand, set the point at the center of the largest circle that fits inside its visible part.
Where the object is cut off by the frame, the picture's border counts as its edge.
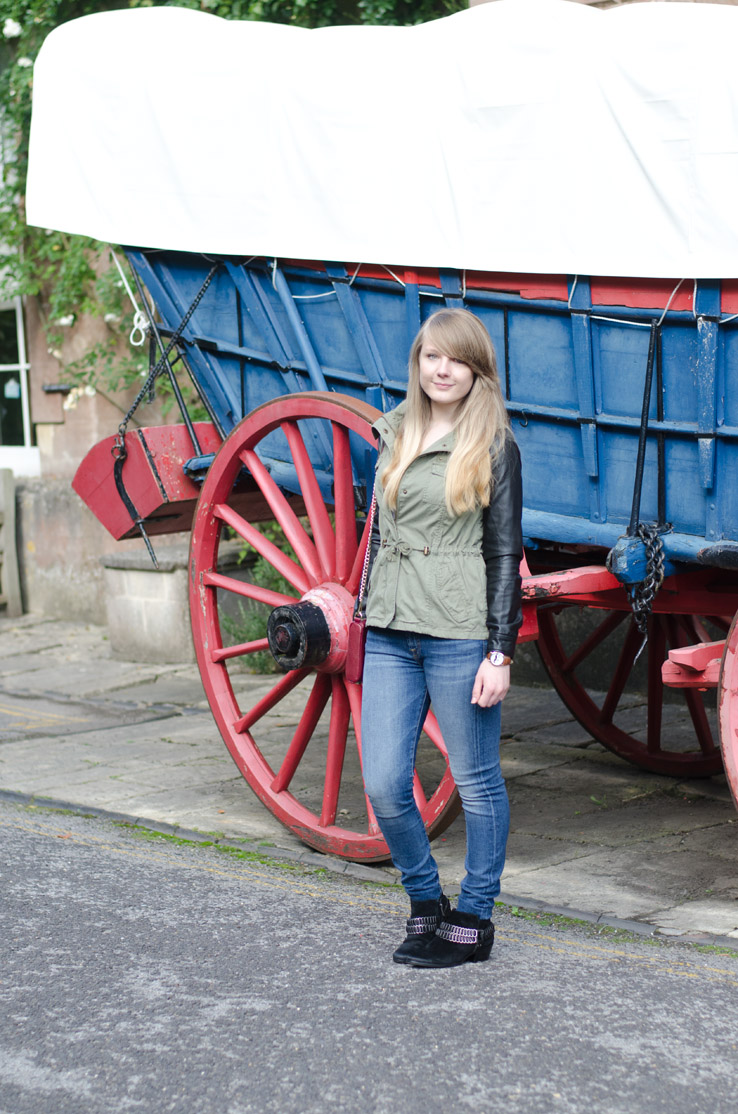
(490, 684)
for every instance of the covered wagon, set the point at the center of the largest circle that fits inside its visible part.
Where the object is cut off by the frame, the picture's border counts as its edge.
(294, 204)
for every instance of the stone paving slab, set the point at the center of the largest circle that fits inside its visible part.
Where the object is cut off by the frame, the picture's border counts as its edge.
(639, 882)
(29, 717)
(590, 834)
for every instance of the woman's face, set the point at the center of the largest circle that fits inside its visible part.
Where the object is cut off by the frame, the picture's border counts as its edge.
(444, 380)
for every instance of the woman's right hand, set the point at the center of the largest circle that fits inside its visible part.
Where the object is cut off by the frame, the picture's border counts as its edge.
(490, 684)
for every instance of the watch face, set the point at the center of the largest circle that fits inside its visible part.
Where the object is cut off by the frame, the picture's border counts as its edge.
(496, 657)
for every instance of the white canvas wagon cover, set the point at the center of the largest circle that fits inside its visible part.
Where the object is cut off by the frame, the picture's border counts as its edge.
(521, 135)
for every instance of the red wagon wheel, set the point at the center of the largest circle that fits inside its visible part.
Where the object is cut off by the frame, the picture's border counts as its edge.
(637, 718)
(728, 708)
(305, 729)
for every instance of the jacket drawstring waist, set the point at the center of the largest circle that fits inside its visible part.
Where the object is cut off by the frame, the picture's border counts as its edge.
(402, 549)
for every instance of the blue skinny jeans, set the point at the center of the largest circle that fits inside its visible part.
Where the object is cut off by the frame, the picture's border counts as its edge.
(403, 674)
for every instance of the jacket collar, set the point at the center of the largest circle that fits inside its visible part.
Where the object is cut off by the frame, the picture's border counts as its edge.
(388, 424)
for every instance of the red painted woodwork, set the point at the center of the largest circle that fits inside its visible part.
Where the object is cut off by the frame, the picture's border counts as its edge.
(529, 630)
(571, 583)
(152, 473)
(153, 477)
(728, 708)
(641, 293)
(682, 677)
(695, 666)
(635, 293)
(729, 295)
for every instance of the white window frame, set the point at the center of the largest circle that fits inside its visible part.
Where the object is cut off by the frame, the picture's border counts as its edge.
(24, 459)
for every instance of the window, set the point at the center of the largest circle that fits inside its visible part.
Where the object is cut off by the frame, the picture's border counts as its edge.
(12, 381)
(16, 450)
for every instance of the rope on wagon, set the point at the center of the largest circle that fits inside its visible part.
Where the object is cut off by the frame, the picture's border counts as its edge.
(140, 321)
(671, 299)
(311, 297)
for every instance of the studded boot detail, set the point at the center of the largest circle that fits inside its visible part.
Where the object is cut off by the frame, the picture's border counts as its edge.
(421, 925)
(460, 938)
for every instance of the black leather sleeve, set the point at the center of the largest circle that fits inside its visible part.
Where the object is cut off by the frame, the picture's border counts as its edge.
(502, 549)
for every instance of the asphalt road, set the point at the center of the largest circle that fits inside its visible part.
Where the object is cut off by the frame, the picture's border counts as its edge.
(139, 974)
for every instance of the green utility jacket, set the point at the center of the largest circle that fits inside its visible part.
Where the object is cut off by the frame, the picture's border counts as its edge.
(440, 574)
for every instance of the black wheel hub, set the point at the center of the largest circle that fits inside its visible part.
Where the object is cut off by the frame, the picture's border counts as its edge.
(298, 635)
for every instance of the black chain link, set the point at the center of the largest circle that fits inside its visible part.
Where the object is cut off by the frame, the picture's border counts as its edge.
(119, 448)
(643, 594)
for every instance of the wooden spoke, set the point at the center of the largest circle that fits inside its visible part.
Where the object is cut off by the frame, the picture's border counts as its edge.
(292, 528)
(680, 634)
(433, 731)
(320, 522)
(610, 623)
(280, 690)
(343, 494)
(354, 696)
(420, 797)
(354, 579)
(284, 565)
(656, 655)
(305, 729)
(227, 652)
(244, 588)
(631, 646)
(696, 705)
(337, 732)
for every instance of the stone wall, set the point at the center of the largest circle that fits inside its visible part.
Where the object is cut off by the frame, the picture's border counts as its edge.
(60, 544)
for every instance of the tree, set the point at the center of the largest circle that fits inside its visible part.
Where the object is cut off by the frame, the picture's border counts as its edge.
(70, 275)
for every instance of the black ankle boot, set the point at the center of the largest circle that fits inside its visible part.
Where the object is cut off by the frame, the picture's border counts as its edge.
(424, 919)
(460, 938)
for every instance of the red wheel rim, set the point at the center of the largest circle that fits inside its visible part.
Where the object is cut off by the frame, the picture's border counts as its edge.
(728, 708)
(325, 708)
(640, 727)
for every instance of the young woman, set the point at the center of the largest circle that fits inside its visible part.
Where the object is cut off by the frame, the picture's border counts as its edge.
(443, 612)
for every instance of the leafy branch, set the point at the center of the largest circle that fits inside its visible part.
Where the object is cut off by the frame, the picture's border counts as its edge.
(71, 276)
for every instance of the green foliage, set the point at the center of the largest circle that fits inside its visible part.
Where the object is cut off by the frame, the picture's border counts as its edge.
(71, 275)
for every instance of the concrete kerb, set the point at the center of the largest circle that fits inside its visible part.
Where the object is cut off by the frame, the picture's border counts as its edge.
(378, 875)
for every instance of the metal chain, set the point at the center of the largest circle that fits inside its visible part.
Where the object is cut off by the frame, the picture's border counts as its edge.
(119, 448)
(643, 594)
(360, 606)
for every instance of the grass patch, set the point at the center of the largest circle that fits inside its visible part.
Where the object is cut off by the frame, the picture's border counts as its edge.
(611, 932)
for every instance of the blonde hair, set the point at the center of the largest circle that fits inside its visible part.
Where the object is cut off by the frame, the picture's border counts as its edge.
(481, 423)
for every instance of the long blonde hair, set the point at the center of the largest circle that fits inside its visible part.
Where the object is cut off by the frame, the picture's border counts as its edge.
(481, 424)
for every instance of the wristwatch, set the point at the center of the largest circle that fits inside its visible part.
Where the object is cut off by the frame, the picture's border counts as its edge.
(496, 657)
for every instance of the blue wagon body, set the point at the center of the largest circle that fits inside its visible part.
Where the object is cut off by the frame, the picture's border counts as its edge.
(573, 373)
